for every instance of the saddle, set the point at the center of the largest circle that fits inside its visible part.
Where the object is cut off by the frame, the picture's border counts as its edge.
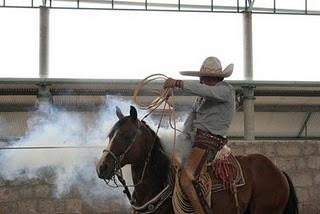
(226, 174)
(223, 174)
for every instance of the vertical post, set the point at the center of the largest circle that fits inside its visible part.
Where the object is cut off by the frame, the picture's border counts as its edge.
(248, 112)
(247, 45)
(44, 43)
(248, 90)
(44, 95)
(306, 6)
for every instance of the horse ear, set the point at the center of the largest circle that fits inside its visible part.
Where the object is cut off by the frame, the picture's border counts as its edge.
(133, 113)
(119, 113)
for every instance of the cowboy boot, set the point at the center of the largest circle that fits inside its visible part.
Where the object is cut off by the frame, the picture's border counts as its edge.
(189, 181)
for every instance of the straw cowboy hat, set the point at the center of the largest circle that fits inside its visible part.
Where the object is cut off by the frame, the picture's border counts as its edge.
(211, 67)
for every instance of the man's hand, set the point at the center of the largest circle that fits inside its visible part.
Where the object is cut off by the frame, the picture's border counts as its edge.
(171, 83)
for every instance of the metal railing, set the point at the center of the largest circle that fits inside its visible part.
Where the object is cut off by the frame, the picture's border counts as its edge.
(237, 6)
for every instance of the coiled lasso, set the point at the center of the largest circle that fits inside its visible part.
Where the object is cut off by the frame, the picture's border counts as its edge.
(162, 98)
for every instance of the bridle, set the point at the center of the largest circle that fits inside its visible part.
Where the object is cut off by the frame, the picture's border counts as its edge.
(163, 195)
(118, 159)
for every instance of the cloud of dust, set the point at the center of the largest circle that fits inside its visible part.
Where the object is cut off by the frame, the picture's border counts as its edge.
(70, 167)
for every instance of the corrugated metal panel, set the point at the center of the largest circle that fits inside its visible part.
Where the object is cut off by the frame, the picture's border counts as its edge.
(21, 89)
(236, 128)
(78, 100)
(277, 115)
(13, 124)
(272, 124)
(313, 125)
(282, 124)
(18, 100)
(277, 124)
(288, 100)
(181, 100)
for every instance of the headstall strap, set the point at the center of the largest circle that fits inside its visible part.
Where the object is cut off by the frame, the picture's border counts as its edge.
(154, 203)
(117, 169)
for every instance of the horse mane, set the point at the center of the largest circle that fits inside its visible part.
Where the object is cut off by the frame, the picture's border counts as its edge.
(159, 161)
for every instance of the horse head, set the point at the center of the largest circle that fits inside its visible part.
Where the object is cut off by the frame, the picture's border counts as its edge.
(126, 145)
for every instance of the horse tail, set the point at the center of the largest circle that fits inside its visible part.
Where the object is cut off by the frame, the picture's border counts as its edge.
(292, 204)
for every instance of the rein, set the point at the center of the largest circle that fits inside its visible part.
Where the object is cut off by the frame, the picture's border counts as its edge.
(117, 169)
(154, 203)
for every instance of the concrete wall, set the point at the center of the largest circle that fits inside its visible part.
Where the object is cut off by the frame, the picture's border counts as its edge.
(300, 159)
(32, 197)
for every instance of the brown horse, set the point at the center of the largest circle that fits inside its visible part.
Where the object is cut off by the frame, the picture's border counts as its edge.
(267, 190)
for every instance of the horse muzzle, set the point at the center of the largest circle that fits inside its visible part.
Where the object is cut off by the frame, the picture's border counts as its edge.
(104, 171)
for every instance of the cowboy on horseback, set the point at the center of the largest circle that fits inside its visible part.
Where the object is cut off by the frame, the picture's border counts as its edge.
(207, 124)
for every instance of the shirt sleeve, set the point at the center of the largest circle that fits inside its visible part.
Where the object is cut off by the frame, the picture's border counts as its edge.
(219, 92)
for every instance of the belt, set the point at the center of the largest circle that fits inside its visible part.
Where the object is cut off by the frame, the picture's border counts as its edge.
(206, 140)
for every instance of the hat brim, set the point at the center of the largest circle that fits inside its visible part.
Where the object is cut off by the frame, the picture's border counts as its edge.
(225, 73)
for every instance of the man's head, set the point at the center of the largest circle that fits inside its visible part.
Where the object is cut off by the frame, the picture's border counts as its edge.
(210, 80)
(211, 71)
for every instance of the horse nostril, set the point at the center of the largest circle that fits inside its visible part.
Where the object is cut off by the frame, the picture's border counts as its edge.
(103, 168)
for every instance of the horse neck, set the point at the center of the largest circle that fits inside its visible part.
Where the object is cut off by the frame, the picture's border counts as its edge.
(155, 177)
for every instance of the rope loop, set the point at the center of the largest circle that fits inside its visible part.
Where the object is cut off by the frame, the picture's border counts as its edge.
(163, 97)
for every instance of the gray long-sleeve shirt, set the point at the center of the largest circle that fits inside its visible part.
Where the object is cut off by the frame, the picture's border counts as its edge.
(214, 108)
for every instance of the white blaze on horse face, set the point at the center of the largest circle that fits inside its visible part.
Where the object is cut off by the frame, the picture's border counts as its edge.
(112, 139)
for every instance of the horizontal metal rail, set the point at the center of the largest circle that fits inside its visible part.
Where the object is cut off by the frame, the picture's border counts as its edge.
(49, 147)
(99, 87)
(130, 82)
(176, 7)
(148, 92)
(179, 107)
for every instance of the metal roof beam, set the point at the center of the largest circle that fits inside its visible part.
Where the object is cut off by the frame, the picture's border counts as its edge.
(175, 6)
(170, 7)
(251, 2)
